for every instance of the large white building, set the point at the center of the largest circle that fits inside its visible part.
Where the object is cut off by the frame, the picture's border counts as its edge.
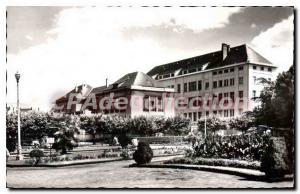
(209, 80)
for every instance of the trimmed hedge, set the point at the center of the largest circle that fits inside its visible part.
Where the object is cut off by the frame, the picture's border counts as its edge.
(163, 140)
(216, 162)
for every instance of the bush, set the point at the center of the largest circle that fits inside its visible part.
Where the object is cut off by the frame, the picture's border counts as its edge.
(243, 147)
(125, 154)
(36, 154)
(124, 140)
(143, 154)
(216, 162)
(274, 160)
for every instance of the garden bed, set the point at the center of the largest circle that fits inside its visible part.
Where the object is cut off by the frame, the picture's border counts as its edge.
(216, 162)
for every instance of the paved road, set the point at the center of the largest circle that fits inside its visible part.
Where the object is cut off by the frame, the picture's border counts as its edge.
(118, 175)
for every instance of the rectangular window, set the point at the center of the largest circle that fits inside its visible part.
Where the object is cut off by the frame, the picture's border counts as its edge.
(262, 68)
(172, 74)
(225, 113)
(215, 112)
(195, 116)
(192, 86)
(232, 96)
(159, 104)
(185, 115)
(232, 113)
(220, 83)
(241, 94)
(226, 98)
(226, 71)
(190, 115)
(199, 85)
(185, 87)
(254, 67)
(220, 113)
(220, 72)
(171, 86)
(199, 115)
(270, 69)
(215, 84)
(179, 88)
(207, 85)
(146, 103)
(207, 113)
(241, 68)
(232, 81)
(232, 70)
(241, 80)
(226, 82)
(220, 96)
(215, 73)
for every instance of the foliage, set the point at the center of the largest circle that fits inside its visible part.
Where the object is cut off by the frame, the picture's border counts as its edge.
(243, 147)
(124, 140)
(11, 132)
(213, 124)
(125, 154)
(36, 154)
(216, 162)
(274, 160)
(242, 123)
(176, 126)
(143, 154)
(277, 101)
(64, 138)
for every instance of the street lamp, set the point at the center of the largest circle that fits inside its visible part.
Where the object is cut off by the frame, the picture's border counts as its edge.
(19, 149)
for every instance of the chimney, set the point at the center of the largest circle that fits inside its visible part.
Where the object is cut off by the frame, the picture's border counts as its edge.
(76, 88)
(225, 50)
(106, 80)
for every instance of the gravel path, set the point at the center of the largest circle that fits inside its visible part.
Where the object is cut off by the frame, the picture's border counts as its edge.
(119, 175)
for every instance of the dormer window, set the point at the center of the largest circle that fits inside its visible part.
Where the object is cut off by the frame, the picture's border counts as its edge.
(115, 85)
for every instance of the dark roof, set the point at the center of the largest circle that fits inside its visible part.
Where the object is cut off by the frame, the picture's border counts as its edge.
(98, 90)
(82, 91)
(238, 54)
(135, 79)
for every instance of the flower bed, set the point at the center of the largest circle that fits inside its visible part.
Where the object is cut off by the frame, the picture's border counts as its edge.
(216, 162)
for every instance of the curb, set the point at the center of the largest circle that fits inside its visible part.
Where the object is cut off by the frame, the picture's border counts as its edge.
(75, 163)
(62, 165)
(252, 174)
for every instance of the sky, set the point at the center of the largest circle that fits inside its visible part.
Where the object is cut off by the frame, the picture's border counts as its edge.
(57, 48)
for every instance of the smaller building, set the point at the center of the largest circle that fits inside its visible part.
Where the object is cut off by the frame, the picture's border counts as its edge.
(135, 94)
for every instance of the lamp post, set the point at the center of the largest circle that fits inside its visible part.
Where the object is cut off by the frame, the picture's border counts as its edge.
(19, 149)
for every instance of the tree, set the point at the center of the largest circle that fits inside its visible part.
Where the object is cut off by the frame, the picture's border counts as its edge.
(64, 137)
(242, 123)
(277, 102)
(11, 132)
(177, 126)
(213, 124)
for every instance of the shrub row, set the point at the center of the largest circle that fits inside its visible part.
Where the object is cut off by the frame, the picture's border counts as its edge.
(163, 140)
(244, 147)
(216, 162)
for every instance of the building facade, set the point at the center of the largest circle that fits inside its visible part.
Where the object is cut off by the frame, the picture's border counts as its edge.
(135, 94)
(222, 83)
